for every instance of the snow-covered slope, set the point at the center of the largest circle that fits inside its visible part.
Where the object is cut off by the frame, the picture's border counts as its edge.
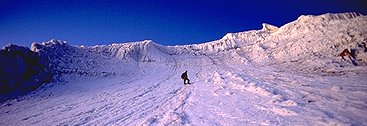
(291, 75)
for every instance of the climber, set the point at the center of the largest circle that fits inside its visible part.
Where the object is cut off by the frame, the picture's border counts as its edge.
(364, 46)
(185, 77)
(350, 55)
(345, 53)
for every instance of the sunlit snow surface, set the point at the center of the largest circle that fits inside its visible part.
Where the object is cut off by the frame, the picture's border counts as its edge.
(290, 75)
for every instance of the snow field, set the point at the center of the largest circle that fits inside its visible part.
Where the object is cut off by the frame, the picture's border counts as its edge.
(274, 76)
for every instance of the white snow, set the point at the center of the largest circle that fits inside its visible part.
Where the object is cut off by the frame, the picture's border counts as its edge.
(290, 75)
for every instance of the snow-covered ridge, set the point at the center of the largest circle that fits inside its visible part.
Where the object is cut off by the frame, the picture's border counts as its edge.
(63, 58)
(291, 75)
(310, 44)
(317, 39)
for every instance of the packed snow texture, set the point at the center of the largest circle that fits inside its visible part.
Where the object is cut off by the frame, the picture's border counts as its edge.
(291, 75)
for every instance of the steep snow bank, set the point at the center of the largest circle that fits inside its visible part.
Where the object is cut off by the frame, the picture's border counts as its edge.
(21, 70)
(312, 44)
(79, 60)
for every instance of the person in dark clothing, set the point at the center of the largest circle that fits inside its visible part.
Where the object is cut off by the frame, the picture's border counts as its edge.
(364, 46)
(185, 77)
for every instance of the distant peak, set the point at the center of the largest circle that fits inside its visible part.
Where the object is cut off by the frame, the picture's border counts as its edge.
(148, 42)
(228, 36)
(53, 42)
(12, 47)
(269, 27)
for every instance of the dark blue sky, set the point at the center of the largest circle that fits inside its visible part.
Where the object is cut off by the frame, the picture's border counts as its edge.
(168, 22)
